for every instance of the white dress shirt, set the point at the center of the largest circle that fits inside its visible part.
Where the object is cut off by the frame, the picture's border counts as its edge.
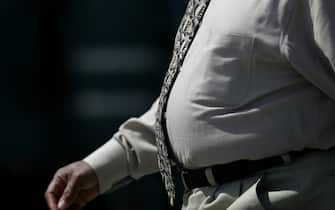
(257, 81)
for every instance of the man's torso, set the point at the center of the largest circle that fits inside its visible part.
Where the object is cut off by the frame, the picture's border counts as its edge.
(237, 96)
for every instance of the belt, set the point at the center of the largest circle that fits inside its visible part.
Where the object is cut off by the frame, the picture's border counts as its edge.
(219, 174)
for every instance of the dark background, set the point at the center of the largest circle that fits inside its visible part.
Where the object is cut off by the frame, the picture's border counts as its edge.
(71, 72)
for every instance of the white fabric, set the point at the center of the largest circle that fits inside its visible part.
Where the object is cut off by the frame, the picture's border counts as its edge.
(258, 81)
(110, 163)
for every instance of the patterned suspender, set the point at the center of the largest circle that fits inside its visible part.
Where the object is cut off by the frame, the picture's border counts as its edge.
(185, 35)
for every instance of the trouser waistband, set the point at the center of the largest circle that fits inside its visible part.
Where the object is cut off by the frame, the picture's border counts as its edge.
(219, 174)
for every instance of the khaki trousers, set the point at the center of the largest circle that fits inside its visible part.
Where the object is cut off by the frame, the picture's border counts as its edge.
(308, 183)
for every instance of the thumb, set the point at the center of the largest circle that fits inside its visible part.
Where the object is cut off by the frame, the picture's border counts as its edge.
(70, 193)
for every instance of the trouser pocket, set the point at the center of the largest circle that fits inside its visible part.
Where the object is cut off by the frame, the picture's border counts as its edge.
(249, 199)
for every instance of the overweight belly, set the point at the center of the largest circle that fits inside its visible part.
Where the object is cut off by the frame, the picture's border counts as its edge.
(205, 132)
(198, 132)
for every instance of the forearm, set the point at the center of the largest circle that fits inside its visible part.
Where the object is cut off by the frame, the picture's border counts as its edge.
(130, 154)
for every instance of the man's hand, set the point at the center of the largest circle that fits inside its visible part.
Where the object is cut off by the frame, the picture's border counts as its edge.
(72, 187)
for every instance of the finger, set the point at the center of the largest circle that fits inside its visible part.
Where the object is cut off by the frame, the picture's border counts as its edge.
(54, 191)
(51, 201)
(70, 193)
(57, 186)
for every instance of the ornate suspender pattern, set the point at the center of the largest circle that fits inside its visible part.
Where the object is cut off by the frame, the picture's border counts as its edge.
(186, 32)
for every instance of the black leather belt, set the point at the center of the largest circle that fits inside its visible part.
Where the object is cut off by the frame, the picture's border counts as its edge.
(219, 174)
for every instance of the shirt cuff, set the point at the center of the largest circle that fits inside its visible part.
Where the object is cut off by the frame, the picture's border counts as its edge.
(109, 163)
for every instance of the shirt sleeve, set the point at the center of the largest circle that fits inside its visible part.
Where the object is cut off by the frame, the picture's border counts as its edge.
(323, 21)
(309, 43)
(129, 154)
(322, 17)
